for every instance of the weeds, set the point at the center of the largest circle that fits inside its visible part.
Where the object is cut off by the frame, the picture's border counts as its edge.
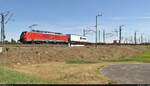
(7, 48)
(82, 56)
(37, 52)
(17, 45)
(79, 62)
(112, 82)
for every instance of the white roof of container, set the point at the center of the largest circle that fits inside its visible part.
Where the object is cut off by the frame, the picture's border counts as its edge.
(76, 35)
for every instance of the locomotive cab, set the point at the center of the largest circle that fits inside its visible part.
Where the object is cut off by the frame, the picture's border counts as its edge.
(22, 36)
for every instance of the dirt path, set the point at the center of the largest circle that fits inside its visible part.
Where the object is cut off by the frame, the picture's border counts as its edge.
(128, 73)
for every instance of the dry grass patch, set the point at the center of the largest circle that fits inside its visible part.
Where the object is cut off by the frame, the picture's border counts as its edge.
(60, 72)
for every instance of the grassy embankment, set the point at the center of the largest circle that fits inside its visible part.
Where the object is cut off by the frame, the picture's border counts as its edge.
(144, 57)
(8, 76)
(78, 71)
(71, 71)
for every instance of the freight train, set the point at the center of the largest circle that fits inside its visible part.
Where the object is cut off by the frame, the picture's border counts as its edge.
(37, 36)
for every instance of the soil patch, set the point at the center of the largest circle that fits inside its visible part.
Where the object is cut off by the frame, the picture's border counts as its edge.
(128, 73)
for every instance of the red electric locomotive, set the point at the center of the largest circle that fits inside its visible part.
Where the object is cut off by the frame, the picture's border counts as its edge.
(36, 36)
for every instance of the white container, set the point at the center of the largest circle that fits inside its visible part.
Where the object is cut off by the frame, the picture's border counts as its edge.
(1, 49)
(77, 38)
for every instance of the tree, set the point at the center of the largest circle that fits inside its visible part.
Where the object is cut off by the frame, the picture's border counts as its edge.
(12, 40)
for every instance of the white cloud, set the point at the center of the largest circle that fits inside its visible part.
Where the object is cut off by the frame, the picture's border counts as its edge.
(118, 18)
(144, 17)
(147, 17)
(125, 18)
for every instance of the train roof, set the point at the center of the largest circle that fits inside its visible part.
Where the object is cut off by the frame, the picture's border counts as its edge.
(46, 32)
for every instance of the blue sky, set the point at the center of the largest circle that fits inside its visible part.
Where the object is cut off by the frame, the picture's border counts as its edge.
(71, 16)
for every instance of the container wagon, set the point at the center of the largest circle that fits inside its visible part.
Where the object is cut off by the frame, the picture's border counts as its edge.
(77, 39)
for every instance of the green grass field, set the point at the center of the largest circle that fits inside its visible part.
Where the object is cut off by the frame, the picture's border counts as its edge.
(144, 57)
(8, 76)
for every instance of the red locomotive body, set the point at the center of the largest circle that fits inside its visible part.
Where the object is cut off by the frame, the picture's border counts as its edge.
(42, 36)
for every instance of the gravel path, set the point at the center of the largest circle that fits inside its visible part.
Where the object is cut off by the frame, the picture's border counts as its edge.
(128, 73)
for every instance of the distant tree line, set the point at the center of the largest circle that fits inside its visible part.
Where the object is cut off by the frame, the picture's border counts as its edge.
(10, 42)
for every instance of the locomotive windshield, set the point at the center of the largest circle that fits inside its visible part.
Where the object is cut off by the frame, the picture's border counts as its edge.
(22, 36)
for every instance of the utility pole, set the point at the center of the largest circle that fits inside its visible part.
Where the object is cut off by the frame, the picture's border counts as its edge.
(2, 27)
(144, 39)
(120, 30)
(141, 38)
(96, 27)
(4, 20)
(83, 32)
(96, 31)
(131, 40)
(99, 36)
(135, 38)
(103, 36)
(120, 34)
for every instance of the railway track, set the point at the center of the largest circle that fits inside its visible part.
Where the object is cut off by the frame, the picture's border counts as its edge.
(33, 45)
(60, 45)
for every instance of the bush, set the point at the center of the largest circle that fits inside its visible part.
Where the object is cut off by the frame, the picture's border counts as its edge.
(13, 41)
(79, 62)
(6, 42)
(7, 48)
(112, 82)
